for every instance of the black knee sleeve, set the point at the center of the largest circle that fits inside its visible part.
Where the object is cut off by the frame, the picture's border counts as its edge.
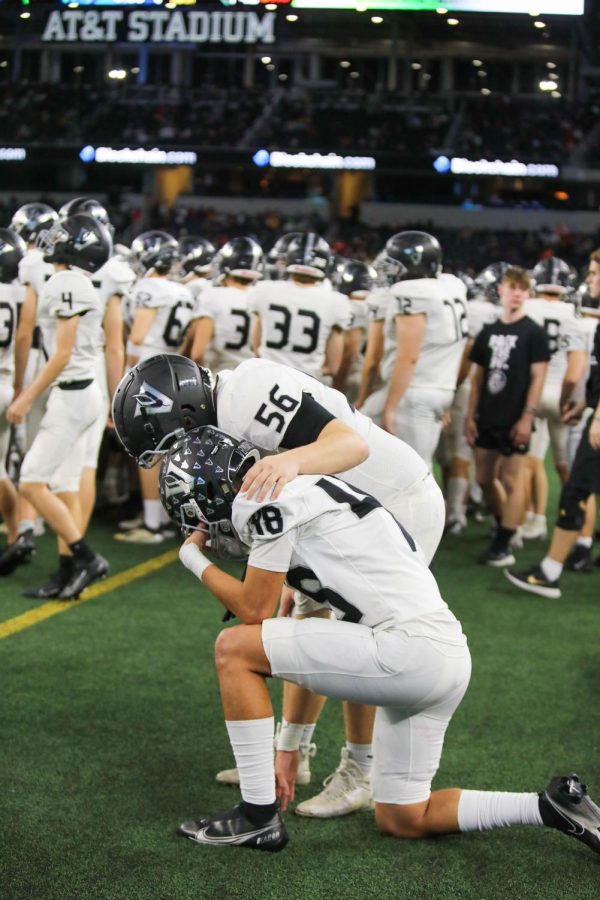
(571, 507)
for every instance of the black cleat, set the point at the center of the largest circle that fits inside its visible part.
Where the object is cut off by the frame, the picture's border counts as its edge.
(566, 805)
(48, 589)
(83, 573)
(534, 581)
(17, 554)
(497, 556)
(233, 828)
(580, 560)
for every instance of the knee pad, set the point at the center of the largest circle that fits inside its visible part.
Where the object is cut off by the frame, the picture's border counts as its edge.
(571, 508)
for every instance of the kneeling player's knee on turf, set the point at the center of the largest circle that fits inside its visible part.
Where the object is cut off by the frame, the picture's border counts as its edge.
(407, 822)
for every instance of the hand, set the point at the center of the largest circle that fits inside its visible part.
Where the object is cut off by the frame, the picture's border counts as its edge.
(571, 412)
(446, 418)
(286, 603)
(520, 433)
(269, 476)
(595, 434)
(198, 538)
(387, 420)
(286, 771)
(18, 409)
(471, 432)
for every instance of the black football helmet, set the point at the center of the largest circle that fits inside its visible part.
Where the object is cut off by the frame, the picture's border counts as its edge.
(197, 255)
(553, 276)
(308, 254)
(32, 218)
(488, 281)
(201, 475)
(79, 240)
(275, 262)
(241, 257)
(410, 255)
(86, 205)
(12, 249)
(158, 401)
(154, 250)
(355, 278)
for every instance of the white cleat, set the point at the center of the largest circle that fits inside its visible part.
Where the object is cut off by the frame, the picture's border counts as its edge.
(231, 776)
(345, 791)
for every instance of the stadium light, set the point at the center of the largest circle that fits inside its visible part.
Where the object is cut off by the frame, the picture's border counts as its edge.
(477, 62)
(548, 85)
(538, 24)
(265, 60)
(292, 17)
(486, 92)
(416, 66)
(376, 20)
(453, 21)
(550, 65)
(117, 74)
(344, 64)
(441, 10)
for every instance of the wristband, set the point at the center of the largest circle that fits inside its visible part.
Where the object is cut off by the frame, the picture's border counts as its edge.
(290, 736)
(194, 560)
(531, 410)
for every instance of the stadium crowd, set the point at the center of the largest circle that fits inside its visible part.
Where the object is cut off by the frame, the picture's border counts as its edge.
(369, 358)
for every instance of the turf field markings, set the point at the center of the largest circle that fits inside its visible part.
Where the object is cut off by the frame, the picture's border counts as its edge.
(53, 607)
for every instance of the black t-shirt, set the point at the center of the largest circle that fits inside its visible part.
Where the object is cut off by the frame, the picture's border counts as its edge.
(506, 352)
(592, 388)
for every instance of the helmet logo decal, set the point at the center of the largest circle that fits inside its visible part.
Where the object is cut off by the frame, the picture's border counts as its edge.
(152, 401)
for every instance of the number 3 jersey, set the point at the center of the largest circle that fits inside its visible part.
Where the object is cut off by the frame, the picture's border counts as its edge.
(174, 305)
(228, 309)
(69, 293)
(340, 547)
(443, 301)
(296, 322)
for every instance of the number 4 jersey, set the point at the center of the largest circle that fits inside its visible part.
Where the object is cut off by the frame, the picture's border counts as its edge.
(173, 303)
(341, 548)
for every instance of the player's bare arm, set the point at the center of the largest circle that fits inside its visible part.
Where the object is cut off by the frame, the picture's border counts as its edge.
(521, 430)
(140, 328)
(409, 337)
(203, 333)
(576, 365)
(475, 392)
(66, 333)
(337, 449)
(334, 351)
(114, 351)
(24, 336)
(373, 357)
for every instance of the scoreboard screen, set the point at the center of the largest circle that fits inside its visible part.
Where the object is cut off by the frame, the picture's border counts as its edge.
(547, 7)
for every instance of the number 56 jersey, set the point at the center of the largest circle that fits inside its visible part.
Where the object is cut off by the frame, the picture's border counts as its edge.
(340, 547)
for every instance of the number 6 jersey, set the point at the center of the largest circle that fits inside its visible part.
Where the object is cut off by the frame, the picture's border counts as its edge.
(173, 303)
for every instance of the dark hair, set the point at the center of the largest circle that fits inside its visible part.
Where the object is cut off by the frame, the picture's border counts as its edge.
(517, 276)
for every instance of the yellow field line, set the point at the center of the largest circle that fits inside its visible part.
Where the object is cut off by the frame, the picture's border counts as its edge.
(53, 607)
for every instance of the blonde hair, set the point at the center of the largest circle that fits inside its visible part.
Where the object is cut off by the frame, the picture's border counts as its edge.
(518, 277)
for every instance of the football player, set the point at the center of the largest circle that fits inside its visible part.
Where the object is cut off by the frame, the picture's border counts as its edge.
(69, 314)
(163, 309)
(355, 279)
(12, 249)
(300, 321)
(420, 328)
(393, 642)
(553, 281)
(317, 431)
(222, 313)
(195, 271)
(276, 258)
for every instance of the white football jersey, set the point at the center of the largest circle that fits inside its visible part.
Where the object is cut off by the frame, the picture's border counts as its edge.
(174, 305)
(588, 325)
(229, 311)
(479, 313)
(342, 549)
(563, 330)
(69, 293)
(11, 296)
(197, 286)
(114, 277)
(296, 322)
(34, 271)
(443, 300)
(258, 401)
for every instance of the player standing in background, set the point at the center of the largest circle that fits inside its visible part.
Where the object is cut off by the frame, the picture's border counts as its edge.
(12, 249)
(195, 271)
(552, 281)
(355, 279)
(300, 321)
(30, 356)
(454, 454)
(510, 360)
(222, 316)
(423, 322)
(163, 309)
(69, 313)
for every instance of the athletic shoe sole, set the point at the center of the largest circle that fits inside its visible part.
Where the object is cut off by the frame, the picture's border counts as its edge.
(539, 589)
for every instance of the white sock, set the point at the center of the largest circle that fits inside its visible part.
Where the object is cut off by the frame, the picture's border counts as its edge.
(475, 492)
(362, 755)
(164, 516)
(484, 810)
(455, 500)
(252, 745)
(551, 569)
(25, 525)
(152, 510)
(307, 734)
(584, 542)
(540, 519)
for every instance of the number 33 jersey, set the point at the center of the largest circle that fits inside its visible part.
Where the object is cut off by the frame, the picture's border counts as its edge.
(66, 294)
(443, 301)
(174, 305)
(342, 549)
(296, 322)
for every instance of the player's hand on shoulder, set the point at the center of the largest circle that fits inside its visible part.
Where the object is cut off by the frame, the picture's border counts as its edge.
(286, 771)
(269, 476)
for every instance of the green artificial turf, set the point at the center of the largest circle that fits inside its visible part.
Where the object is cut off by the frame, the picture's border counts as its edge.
(112, 733)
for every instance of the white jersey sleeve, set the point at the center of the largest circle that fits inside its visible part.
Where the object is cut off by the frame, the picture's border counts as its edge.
(34, 271)
(115, 277)
(70, 293)
(378, 303)
(11, 296)
(480, 313)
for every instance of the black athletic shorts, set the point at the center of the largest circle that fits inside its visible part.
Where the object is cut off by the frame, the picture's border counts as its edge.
(498, 439)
